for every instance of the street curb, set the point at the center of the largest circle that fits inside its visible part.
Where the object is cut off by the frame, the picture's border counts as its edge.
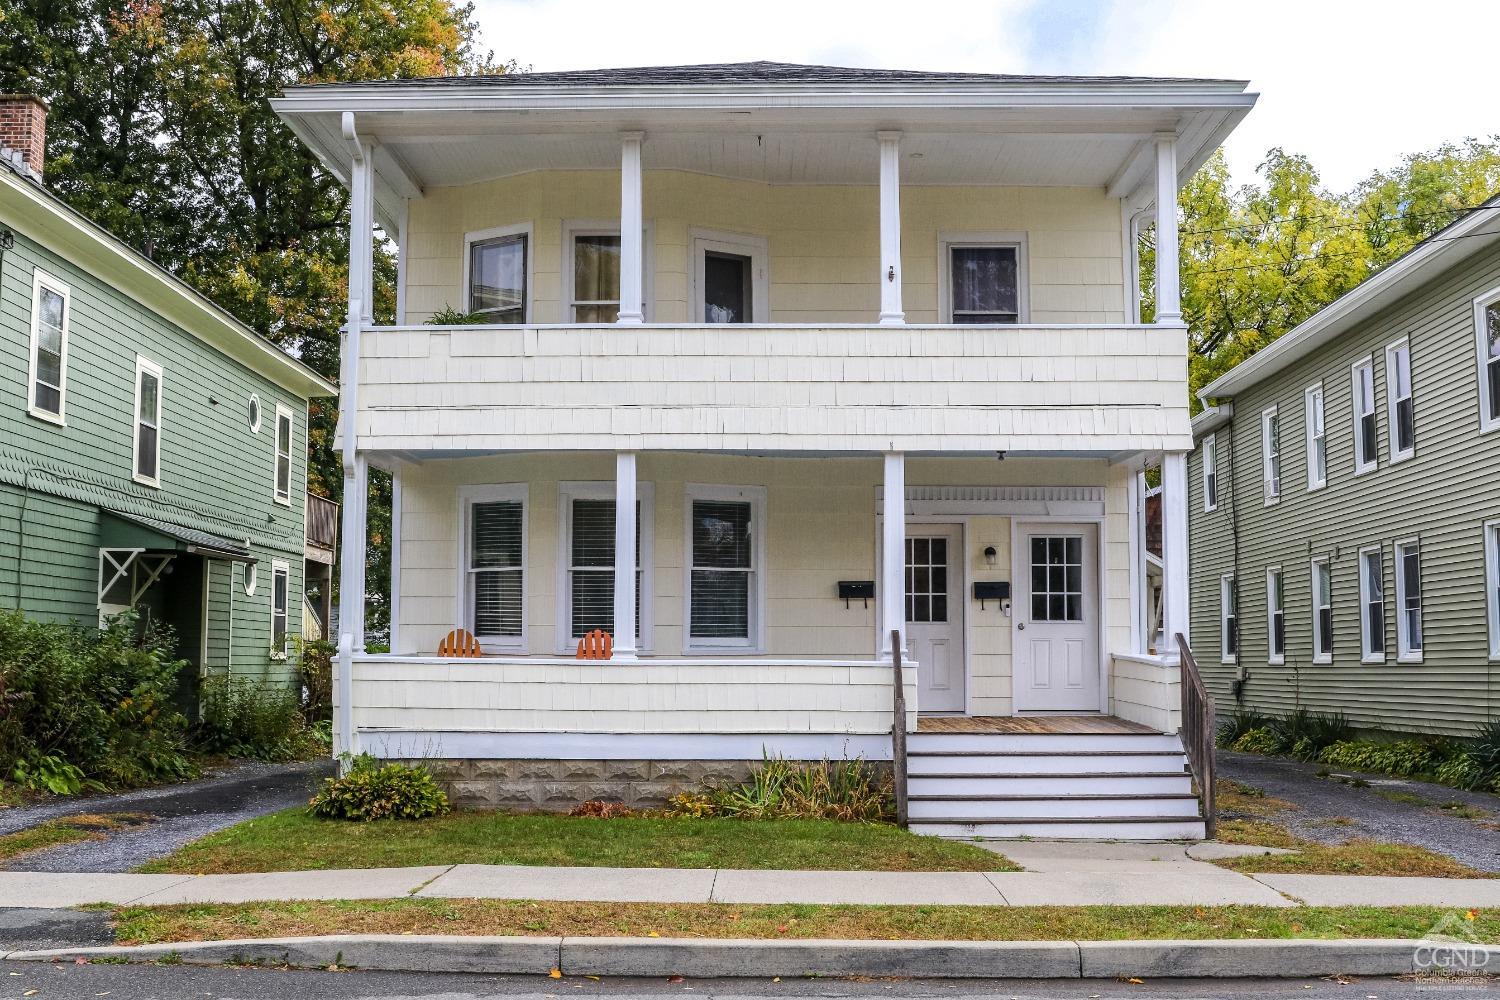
(736, 958)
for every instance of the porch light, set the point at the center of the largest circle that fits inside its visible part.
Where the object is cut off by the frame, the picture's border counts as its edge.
(989, 555)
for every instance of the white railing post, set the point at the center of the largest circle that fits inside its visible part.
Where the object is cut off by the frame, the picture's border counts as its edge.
(1168, 288)
(891, 590)
(891, 311)
(1174, 550)
(626, 627)
(632, 309)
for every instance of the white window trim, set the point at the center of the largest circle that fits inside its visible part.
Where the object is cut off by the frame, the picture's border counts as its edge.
(254, 403)
(1275, 659)
(1315, 391)
(1481, 354)
(1391, 400)
(1210, 447)
(1266, 416)
(1226, 582)
(1405, 654)
(573, 228)
(756, 247)
(1363, 463)
(1366, 655)
(279, 568)
(463, 618)
(496, 232)
(251, 576)
(1317, 628)
(645, 495)
(947, 241)
(40, 280)
(1492, 583)
(756, 495)
(291, 417)
(145, 364)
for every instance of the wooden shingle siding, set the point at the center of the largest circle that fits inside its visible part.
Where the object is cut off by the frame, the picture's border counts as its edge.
(1442, 497)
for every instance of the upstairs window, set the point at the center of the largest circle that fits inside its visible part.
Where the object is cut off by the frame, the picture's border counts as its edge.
(497, 277)
(1270, 443)
(1372, 605)
(1409, 601)
(986, 283)
(1487, 336)
(1210, 473)
(1322, 611)
(1317, 439)
(1275, 616)
(1229, 619)
(494, 564)
(1365, 445)
(283, 474)
(596, 278)
(723, 570)
(49, 348)
(1401, 415)
(146, 457)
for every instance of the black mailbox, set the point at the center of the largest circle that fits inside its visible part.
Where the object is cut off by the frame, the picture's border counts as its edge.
(856, 590)
(991, 590)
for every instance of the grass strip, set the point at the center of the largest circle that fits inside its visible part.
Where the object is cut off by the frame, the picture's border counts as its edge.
(152, 925)
(66, 830)
(292, 840)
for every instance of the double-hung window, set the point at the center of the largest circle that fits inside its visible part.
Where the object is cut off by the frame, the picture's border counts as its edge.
(494, 519)
(1409, 601)
(282, 476)
(146, 448)
(724, 544)
(1492, 583)
(1275, 616)
(280, 598)
(588, 556)
(1229, 621)
(1401, 414)
(49, 348)
(1210, 473)
(1371, 605)
(497, 278)
(1270, 445)
(595, 274)
(986, 278)
(1322, 610)
(1365, 444)
(1487, 341)
(1317, 438)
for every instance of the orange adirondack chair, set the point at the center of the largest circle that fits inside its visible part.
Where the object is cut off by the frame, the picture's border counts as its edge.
(459, 642)
(597, 645)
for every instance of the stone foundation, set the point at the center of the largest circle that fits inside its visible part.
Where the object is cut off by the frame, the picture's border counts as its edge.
(559, 785)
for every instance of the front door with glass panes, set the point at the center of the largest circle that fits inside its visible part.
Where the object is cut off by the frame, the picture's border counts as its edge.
(934, 617)
(1056, 618)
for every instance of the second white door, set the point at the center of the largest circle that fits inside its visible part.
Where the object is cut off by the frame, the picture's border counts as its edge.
(1056, 611)
(934, 616)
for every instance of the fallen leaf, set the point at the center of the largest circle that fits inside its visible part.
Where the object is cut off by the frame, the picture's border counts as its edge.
(674, 979)
(80, 960)
(555, 974)
(1132, 979)
(777, 979)
(594, 978)
(653, 934)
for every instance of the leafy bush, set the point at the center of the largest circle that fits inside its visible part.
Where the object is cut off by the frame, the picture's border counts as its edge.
(1484, 753)
(1403, 758)
(780, 789)
(1262, 740)
(1240, 723)
(82, 706)
(1302, 734)
(601, 809)
(246, 718)
(315, 668)
(371, 790)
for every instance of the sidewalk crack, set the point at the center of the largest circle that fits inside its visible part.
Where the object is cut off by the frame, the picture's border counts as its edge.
(1284, 895)
(419, 888)
(713, 886)
(160, 889)
(990, 878)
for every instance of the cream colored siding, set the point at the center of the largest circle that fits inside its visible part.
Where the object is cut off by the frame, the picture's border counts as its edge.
(1441, 496)
(823, 241)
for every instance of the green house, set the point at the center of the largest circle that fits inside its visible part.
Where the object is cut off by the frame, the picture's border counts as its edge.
(153, 450)
(1345, 502)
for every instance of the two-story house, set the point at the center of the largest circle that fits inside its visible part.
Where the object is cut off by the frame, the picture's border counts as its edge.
(769, 362)
(1346, 502)
(153, 450)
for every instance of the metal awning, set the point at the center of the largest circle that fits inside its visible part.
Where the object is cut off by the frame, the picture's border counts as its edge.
(129, 531)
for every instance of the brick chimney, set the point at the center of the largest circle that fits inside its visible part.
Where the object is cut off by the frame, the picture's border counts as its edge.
(23, 128)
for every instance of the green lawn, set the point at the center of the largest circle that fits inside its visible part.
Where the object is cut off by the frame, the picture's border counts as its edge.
(294, 841)
(146, 925)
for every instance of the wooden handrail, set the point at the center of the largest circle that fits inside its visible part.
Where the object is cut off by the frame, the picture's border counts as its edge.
(1199, 727)
(898, 729)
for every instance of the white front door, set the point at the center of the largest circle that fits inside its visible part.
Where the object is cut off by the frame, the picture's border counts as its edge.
(1056, 615)
(934, 616)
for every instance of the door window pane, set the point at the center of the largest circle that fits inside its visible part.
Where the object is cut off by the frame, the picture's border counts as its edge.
(497, 279)
(926, 580)
(985, 284)
(1057, 578)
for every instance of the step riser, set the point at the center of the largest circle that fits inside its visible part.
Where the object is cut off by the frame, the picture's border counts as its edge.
(1045, 764)
(1075, 742)
(1088, 784)
(1052, 808)
(1043, 830)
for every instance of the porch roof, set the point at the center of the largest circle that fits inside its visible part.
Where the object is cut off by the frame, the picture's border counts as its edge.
(127, 531)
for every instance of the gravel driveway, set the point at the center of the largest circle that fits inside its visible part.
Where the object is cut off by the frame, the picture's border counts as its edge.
(177, 814)
(1325, 804)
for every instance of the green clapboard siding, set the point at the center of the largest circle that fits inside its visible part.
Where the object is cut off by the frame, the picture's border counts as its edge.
(216, 475)
(1442, 496)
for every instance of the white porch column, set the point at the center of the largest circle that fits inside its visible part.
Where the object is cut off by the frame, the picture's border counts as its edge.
(892, 586)
(361, 220)
(891, 312)
(1168, 287)
(1174, 549)
(631, 222)
(1139, 583)
(626, 626)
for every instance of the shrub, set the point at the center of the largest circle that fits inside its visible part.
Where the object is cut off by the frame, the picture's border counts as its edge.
(315, 667)
(601, 809)
(1403, 758)
(1240, 723)
(371, 790)
(1262, 740)
(780, 789)
(247, 718)
(1484, 752)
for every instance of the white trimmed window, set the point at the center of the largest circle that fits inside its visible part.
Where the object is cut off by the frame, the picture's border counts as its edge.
(1322, 610)
(46, 397)
(493, 561)
(587, 594)
(1365, 438)
(1371, 605)
(497, 274)
(1317, 438)
(1270, 448)
(1492, 583)
(725, 542)
(593, 277)
(1401, 414)
(1229, 620)
(146, 446)
(1487, 342)
(282, 475)
(1210, 473)
(984, 278)
(280, 601)
(1409, 601)
(1275, 616)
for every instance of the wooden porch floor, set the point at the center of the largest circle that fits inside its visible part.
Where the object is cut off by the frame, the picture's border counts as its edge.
(1032, 724)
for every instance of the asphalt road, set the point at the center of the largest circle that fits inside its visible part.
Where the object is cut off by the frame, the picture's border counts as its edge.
(145, 982)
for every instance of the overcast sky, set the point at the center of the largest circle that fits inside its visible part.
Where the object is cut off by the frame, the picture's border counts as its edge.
(1351, 83)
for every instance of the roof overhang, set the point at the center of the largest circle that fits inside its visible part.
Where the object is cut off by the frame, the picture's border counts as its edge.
(1210, 419)
(127, 531)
